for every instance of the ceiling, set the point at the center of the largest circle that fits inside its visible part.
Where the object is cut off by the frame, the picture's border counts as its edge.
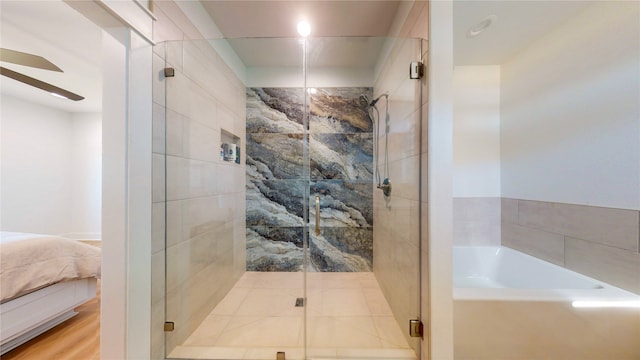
(241, 19)
(263, 33)
(517, 24)
(43, 28)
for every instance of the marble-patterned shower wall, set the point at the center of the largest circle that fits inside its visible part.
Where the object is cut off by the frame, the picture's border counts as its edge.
(340, 172)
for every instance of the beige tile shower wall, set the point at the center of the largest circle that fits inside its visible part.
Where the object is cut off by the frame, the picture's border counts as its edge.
(603, 243)
(199, 200)
(476, 221)
(396, 248)
(205, 195)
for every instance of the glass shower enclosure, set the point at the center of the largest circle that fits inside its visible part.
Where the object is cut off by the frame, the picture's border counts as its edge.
(291, 197)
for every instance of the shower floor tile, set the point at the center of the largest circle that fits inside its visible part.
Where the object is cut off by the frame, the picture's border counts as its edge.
(347, 314)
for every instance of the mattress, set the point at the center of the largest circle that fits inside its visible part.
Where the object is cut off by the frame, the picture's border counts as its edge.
(31, 261)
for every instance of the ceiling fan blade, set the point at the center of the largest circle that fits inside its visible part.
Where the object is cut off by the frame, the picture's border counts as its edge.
(21, 58)
(40, 84)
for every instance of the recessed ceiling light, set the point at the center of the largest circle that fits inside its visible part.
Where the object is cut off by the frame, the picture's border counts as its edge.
(476, 29)
(304, 29)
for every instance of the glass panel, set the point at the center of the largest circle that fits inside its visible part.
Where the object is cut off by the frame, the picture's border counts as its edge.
(276, 191)
(364, 126)
(229, 200)
(241, 246)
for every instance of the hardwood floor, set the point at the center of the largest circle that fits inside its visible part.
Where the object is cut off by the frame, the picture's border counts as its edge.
(76, 339)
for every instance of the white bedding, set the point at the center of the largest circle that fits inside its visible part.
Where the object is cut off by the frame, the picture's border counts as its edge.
(31, 261)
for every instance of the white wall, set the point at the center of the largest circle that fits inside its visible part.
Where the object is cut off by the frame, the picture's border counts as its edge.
(476, 131)
(86, 177)
(47, 183)
(570, 112)
(437, 284)
(36, 163)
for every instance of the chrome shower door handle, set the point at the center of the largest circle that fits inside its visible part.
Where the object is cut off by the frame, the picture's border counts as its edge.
(317, 215)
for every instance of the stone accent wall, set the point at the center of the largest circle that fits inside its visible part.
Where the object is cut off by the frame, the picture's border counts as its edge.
(340, 172)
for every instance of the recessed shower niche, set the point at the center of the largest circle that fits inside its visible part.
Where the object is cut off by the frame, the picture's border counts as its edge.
(230, 147)
(303, 218)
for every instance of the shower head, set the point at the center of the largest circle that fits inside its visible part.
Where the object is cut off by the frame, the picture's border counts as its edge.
(364, 100)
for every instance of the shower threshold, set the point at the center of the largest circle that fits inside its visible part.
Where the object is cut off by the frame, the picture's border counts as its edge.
(347, 317)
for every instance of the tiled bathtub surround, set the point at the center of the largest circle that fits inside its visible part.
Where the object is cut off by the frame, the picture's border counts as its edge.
(603, 243)
(340, 172)
(476, 221)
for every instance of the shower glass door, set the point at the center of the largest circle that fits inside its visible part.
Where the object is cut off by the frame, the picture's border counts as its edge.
(277, 237)
(363, 279)
(223, 209)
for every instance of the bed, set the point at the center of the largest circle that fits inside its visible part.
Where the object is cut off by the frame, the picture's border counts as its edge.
(42, 279)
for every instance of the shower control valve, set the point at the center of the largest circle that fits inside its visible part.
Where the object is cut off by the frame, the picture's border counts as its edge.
(385, 187)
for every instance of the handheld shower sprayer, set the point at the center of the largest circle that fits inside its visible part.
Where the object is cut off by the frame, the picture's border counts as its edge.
(374, 115)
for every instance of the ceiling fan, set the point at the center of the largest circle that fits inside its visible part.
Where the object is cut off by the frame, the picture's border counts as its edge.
(35, 61)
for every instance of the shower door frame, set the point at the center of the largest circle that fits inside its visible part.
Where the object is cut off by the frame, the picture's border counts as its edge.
(307, 194)
(418, 108)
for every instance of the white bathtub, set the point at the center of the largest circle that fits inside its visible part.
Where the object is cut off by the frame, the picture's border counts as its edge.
(509, 305)
(500, 273)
